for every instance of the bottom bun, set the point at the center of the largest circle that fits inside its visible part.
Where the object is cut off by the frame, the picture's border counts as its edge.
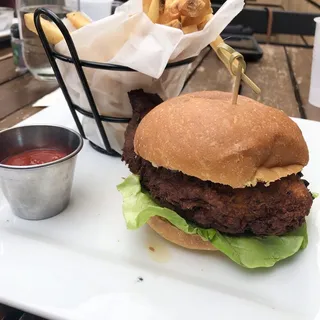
(173, 234)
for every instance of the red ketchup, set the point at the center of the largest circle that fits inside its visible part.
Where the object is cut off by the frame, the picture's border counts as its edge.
(34, 157)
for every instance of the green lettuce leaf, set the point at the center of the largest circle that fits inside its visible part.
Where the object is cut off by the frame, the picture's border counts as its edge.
(247, 251)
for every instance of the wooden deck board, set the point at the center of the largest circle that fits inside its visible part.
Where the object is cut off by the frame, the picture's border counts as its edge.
(210, 75)
(4, 50)
(289, 5)
(301, 61)
(7, 70)
(22, 91)
(18, 116)
(272, 75)
(206, 73)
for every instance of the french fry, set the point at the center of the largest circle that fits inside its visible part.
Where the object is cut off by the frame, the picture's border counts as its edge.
(176, 23)
(166, 17)
(214, 44)
(154, 11)
(190, 29)
(198, 19)
(51, 31)
(162, 6)
(146, 6)
(77, 19)
(172, 6)
(187, 21)
(170, 12)
(205, 20)
(191, 8)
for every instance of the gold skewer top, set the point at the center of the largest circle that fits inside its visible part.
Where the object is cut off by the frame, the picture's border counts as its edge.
(231, 60)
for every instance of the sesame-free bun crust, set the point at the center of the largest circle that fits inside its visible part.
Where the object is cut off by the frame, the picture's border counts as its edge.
(203, 135)
(174, 235)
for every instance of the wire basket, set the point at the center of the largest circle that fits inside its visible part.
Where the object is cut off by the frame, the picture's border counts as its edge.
(79, 64)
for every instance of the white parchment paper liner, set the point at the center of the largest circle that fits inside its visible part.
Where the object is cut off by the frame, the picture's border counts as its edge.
(129, 38)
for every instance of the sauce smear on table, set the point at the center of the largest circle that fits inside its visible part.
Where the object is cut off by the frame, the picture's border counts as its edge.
(34, 157)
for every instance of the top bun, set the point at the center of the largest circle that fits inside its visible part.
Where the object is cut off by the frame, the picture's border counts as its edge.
(203, 135)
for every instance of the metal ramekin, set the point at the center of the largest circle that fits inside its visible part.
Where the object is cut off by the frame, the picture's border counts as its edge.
(38, 191)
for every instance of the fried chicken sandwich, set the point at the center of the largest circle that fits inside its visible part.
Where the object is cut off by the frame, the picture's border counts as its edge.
(209, 175)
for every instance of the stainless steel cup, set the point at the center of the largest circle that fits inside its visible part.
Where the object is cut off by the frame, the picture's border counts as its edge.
(38, 191)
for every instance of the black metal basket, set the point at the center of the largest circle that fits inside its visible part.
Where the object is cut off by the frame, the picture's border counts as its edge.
(79, 64)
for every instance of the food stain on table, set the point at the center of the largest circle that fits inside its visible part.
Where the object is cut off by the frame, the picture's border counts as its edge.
(157, 249)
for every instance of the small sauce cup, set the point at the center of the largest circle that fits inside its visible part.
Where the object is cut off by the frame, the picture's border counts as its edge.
(38, 191)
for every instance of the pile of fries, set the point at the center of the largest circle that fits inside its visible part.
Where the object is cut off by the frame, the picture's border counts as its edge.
(187, 15)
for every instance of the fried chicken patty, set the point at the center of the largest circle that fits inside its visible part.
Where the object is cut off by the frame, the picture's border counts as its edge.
(273, 210)
(260, 210)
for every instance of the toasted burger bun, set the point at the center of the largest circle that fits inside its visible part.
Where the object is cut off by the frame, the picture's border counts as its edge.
(203, 135)
(173, 234)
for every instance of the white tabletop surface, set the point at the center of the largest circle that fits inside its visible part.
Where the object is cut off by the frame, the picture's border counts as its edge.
(84, 264)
